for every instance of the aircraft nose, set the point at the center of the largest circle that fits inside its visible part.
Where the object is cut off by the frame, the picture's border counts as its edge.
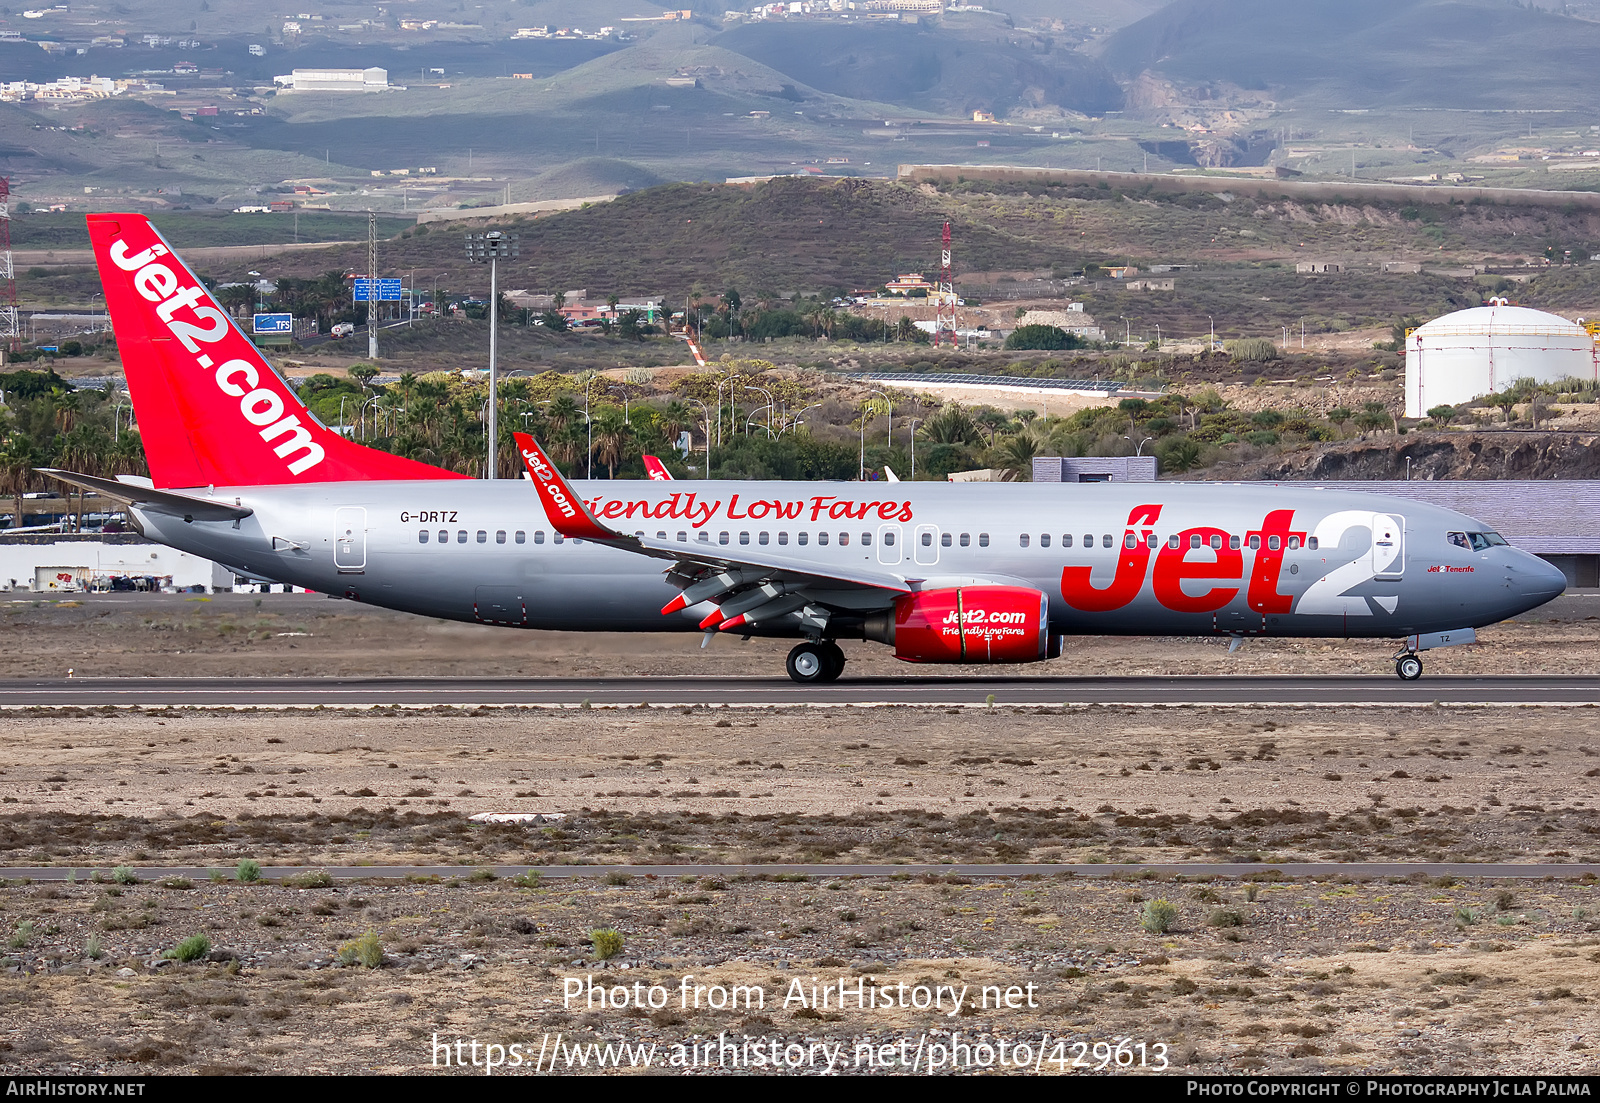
(1535, 579)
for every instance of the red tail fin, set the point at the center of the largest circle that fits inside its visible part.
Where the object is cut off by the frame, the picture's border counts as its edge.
(212, 411)
(657, 470)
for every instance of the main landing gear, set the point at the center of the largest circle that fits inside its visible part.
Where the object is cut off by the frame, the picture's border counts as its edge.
(814, 662)
(1408, 666)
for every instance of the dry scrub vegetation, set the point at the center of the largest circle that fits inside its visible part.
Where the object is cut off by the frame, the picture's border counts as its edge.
(1269, 975)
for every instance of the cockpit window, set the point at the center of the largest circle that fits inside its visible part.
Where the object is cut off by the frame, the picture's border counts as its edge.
(1482, 540)
(1458, 539)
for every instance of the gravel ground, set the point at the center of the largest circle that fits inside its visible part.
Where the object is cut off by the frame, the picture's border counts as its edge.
(1281, 977)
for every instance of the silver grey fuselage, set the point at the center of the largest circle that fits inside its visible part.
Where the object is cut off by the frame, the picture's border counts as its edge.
(481, 550)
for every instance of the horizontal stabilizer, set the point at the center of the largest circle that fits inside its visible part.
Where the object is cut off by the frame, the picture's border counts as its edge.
(168, 502)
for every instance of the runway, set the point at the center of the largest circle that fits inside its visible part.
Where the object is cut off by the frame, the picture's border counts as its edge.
(935, 690)
(1228, 870)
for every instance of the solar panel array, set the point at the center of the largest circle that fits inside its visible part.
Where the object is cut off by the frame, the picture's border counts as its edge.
(1107, 386)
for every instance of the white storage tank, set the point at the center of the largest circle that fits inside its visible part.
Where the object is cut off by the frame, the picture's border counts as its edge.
(1486, 349)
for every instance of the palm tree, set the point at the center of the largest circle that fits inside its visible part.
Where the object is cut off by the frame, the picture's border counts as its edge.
(68, 407)
(1014, 455)
(18, 458)
(611, 439)
(951, 425)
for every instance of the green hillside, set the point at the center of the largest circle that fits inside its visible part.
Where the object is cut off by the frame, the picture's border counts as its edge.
(979, 64)
(1483, 54)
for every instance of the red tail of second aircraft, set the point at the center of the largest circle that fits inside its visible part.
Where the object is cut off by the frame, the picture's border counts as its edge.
(212, 411)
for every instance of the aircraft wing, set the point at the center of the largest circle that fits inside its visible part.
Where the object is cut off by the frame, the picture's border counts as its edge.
(169, 502)
(750, 590)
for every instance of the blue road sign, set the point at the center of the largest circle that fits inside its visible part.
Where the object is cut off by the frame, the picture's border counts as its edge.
(388, 290)
(274, 323)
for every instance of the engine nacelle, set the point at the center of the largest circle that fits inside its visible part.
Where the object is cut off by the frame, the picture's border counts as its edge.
(967, 624)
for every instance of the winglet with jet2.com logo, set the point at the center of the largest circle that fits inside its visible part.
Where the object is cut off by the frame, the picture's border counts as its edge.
(567, 513)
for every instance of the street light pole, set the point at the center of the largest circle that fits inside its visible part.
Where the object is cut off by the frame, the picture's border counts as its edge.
(707, 410)
(866, 415)
(914, 448)
(794, 423)
(491, 247)
(770, 409)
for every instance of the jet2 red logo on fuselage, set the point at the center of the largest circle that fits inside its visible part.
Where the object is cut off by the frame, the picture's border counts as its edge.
(1173, 568)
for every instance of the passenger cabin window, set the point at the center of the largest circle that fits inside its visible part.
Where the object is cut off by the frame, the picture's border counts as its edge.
(744, 538)
(1130, 541)
(704, 536)
(983, 539)
(966, 539)
(500, 536)
(1044, 540)
(1255, 543)
(722, 538)
(522, 537)
(661, 536)
(444, 537)
(1194, 539)
(762, 539)
(1294, 543)
(1105, 541)
(557, 538)
(1216, 543)
(945, 540)
(538, 536)
(801, 538)
(783, 538)
(822, 538)
(866, 539)
(888, 538)
(844, 538)
(422, 537)
(483, 537)
(1022, 540)
(683, 537)
(1311, 542)
(1066, 540)
(461, 536)
(1273, 543)
(1233, 542)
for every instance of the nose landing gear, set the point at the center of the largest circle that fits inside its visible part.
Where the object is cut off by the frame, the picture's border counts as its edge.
(812, 663)
(1408, 666)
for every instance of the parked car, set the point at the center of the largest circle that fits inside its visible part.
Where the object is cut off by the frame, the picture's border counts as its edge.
(343, 329)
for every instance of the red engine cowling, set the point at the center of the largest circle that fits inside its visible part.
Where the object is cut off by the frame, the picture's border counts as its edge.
(971, 624)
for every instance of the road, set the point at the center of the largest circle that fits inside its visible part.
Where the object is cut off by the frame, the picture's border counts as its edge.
(1290, 690)
(1489, 870)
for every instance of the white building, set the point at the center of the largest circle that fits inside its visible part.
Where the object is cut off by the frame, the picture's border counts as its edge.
(49, 562)
(337, 80)
(1486, 349)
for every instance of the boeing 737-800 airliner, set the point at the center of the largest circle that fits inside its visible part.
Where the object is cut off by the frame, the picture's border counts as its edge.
(242, 473)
